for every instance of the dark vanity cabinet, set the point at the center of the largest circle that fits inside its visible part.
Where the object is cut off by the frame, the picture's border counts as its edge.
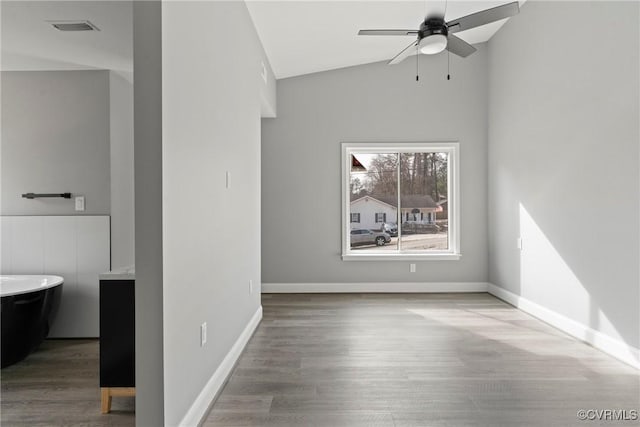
(117, 340)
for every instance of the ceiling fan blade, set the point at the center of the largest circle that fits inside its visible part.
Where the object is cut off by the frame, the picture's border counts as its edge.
(483, 17)
(407, 51)
(459, 47)
(388, 32)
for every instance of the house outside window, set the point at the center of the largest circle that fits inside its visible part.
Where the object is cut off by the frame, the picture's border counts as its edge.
(400, 189)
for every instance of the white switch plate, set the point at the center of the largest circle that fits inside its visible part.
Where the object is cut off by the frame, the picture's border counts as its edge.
(519, 243)
(263, 72)
(250, 286)
(412, 268)
(227, 179)
(203, 334)
(80, 203)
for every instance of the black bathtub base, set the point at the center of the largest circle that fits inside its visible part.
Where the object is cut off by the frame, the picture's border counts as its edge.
(26, 319)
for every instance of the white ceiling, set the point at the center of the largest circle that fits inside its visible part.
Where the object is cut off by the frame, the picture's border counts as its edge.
(302, 37)
(28, 42)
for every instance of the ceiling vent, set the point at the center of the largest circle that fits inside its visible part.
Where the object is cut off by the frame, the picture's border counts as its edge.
(73, 25)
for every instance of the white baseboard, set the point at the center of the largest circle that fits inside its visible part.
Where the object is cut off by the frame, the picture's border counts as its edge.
(200, 406)
(602, 342)
(385, 287)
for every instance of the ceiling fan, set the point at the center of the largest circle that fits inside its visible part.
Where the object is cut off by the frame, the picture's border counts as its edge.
(436, 35)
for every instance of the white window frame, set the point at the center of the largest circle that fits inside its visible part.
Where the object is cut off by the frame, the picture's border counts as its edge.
(452, 148)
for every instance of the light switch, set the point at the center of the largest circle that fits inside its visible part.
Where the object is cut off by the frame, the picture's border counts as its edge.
(79, 203)
(263, 72)
(203, 334)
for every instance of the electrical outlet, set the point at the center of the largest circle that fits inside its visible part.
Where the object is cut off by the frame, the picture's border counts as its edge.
(250, 286)
(412, 268)
(203, 334)
(79, 203)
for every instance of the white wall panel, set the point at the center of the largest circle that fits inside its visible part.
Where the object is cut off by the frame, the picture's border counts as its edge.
(60, 246)
(79, 312)
(5, 244)
(93, 248)
(74, 247)
(60, 260)
(27, 250)
(92, 234)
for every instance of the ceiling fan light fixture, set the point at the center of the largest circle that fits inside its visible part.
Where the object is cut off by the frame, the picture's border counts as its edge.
(432, 44)
(434, 32)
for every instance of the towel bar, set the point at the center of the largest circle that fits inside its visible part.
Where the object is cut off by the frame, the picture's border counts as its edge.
(36, 196)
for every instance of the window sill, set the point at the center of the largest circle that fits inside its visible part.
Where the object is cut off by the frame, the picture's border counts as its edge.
(402, 257)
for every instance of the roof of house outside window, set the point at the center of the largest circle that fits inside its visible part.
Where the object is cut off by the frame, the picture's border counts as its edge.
(407, 201)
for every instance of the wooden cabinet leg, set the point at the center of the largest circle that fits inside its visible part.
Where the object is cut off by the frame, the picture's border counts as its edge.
(106, 393)
(105, 400)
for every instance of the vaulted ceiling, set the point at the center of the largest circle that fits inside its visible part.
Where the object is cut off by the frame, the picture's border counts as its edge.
(299, 36)
(303, 37)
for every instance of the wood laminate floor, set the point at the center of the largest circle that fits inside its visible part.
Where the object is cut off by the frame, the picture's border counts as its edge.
(59, 385)
(355, 360)
(416, 360)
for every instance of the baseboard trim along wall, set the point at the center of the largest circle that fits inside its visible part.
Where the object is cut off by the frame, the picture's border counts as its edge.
(602, 342)
(200, 407)
(373, 287)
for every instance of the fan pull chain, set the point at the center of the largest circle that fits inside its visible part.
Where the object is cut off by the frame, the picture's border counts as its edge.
(417, 70)
(446, 3)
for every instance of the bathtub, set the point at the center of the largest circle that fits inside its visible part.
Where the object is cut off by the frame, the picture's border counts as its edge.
(29, 306)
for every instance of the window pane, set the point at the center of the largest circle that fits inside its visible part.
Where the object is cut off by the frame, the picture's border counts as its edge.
(374, 199)
(423, 201)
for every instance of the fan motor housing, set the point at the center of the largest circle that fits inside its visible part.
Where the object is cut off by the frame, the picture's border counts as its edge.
(433, 26)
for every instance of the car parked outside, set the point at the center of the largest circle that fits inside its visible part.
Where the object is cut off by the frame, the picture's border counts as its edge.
(391, 228)
(363, 236)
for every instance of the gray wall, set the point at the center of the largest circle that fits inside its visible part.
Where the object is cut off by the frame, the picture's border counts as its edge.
(147, 99)
(564, 161)
(211, 235)
(122, 181)
(55, 138)
(301, 180)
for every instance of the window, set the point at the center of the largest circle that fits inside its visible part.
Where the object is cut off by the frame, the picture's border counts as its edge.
(405, 195)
